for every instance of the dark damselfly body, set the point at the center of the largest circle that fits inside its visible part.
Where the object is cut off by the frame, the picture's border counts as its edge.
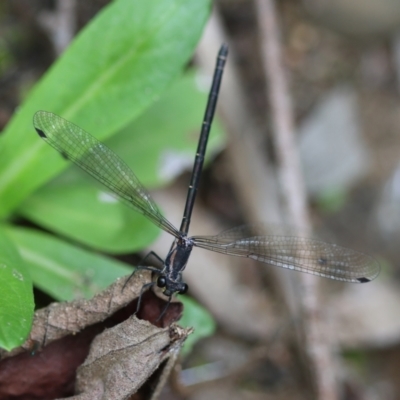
(296, 253)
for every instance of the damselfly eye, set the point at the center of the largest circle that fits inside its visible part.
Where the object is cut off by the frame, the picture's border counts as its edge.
(161, 281)
(184, 289)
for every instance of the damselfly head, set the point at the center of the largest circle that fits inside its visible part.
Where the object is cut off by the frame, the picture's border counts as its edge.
(171, 287)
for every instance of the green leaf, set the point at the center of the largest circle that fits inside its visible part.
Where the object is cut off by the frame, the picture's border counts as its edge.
(162, 142)
(115, 68)
(16, 307)
(62, 270)
(196, 316)
(86, 213)
(157, 146)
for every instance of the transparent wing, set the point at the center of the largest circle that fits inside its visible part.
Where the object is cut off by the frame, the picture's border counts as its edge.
(100, 162)
(301, 254)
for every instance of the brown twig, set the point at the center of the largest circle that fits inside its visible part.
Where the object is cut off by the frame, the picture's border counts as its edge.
(254, 180)
(316, 347)
(396, 57)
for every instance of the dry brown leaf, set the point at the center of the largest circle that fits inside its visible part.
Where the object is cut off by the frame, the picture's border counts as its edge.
(60, 319)
(122, 358)
(45, 366)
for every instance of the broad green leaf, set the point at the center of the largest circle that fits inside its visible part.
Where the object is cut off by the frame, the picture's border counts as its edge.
(157, 146)
(62, 270)
(16, 307)
(83, 211)
(162, 142)
(115, 68)
(196, 316)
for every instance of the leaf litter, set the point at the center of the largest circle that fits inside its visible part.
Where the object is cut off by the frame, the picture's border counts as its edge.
(96, 349)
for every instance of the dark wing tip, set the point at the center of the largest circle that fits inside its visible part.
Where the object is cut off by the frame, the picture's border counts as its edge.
(40, 133)
(363, 280)
(64, 155)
